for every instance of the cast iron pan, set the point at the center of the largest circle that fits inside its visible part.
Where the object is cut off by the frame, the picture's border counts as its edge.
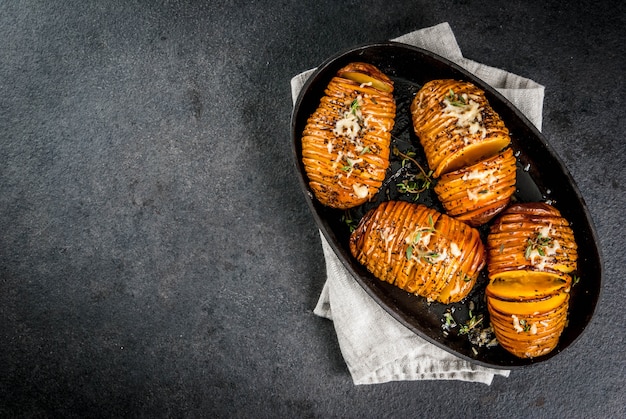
(541, 177)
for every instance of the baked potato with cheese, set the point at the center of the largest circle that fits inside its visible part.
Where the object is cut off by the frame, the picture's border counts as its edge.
(420, 250)
(346, 141)
(476, 193)
(531, 256)
(456, 125)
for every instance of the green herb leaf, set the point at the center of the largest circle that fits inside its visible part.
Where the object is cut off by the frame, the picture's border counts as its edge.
(349, 220)
(449, 320)
(538, 243)
(529, 250)
(354, 106)
(470, 324)
(454, 99)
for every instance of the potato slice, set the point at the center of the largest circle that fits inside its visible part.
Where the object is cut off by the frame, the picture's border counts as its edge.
(482, 215)
(368, 80)
(535, 348)
(460, 285)
(470, 154)
(528, 308)
(523, 285)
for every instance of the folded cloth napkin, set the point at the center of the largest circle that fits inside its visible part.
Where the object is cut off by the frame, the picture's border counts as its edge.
(375, 346)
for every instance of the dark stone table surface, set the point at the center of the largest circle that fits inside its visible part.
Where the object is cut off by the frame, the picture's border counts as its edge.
(157, 256)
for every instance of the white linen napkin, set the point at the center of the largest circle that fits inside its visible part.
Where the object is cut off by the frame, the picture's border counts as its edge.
(375, 346)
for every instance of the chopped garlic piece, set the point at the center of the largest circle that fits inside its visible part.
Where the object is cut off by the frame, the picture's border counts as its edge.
(546, 230)
(516, 325)
(360, 191)
(454, 249)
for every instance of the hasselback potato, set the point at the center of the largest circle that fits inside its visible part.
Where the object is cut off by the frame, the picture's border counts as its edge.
(476, 193)
(419, 250)
(346, 141)
(531, 256)
(456, 125)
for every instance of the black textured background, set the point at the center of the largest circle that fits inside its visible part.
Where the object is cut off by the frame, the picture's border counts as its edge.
(157, 257)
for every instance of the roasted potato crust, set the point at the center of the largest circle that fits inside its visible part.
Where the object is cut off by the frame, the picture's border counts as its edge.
(419, 250)
(476, 193)
(345, 143)
(456, 125)
(531, 254)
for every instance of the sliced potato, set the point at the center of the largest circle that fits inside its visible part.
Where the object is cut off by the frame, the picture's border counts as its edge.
(456, 125)
(531, 252)
(419, 250)
(529, 307)
(529, 336)
(523, 285)
(531, 236)
(368, 80)
(476, 193)
(346, 141)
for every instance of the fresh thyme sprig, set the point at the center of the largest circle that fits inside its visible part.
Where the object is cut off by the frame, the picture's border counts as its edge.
(413, 249)
(418, 183)
(455, 100)
(427, 256)
(470, 324)
(349, 220)
(354, 106)
(538, 243)
(409, 157)
(406, 157)
(415, 185)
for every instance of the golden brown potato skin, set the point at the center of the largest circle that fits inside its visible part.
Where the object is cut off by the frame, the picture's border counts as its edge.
(419, 250)
(346, 141)
(531, 256)
(509, 235)
(456, 125)
(476, 193)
